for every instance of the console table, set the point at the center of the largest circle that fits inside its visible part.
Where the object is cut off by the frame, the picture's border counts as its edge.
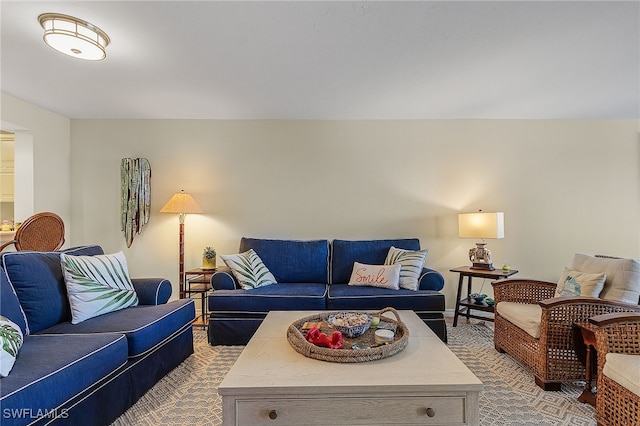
(464, 306)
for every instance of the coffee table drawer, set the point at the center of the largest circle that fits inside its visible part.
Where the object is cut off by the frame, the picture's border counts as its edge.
(429, 410)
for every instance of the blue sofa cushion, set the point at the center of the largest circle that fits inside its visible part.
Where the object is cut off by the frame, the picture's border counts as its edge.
(292, 261)
(343, 296)
(276, 297)
(145, 326)
(9, 304)
(345, 253)
(39, 284)
(52, 369)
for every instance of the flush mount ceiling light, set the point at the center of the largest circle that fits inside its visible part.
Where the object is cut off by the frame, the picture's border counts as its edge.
(73, 36)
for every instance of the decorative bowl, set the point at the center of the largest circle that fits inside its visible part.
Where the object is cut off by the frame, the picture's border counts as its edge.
(478, 298)
(351, 324)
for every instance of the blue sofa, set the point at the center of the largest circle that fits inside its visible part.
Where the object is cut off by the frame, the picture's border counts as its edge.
(92, 372)
(313, 275)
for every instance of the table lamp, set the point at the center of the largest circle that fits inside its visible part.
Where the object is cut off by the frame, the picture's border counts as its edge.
(481, 225)
(182, 204)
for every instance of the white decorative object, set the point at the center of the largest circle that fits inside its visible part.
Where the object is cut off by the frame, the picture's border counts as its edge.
(384, 276)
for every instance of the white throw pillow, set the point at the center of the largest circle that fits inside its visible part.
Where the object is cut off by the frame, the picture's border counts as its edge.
(623, 276)
(576, 283)
(97, 285)
(249, 269)
(11, 339)
(411, 262)
(384, 276)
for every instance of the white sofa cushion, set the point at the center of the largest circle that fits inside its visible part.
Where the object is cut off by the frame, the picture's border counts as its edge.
(623, 276)
(523, 315)
(623, 369)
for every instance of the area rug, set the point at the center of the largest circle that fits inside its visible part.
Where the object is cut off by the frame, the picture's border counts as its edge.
(188, 395)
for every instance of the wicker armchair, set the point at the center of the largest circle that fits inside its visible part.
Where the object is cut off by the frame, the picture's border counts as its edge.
(40, 232)
(551, 357)
(616, 404)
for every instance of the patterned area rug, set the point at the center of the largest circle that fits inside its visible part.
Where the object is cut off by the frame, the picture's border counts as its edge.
(188, 395)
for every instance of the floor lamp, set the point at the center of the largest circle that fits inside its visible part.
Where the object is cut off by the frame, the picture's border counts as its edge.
(182, 204)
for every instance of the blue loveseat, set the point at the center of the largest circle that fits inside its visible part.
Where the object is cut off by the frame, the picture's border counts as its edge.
(92, 372)
(313, 275)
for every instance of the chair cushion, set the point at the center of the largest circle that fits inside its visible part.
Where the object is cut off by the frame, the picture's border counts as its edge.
(280, 297)
(623, 369)
(346, 297)
(145, 326)
(345, 253)
(38, 282)
(97, 285)
(292, 261)
(52, 369)
(576, 283)
(623, 276)
(523, 315)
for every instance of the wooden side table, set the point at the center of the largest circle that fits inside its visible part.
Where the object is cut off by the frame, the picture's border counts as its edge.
(198, 282)
(584, 342)
(466, 305)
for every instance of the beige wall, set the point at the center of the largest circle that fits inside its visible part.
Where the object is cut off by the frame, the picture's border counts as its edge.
(565, 186)
(43, 158)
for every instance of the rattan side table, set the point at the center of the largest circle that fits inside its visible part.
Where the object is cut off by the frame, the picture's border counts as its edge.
(585, 347)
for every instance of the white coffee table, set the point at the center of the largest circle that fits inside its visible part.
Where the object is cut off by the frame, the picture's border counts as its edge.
(272, 384)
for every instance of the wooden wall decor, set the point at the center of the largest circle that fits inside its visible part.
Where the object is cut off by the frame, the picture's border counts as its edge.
(135, 196)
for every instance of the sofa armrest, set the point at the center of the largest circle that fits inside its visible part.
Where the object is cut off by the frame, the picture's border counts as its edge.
(522, 291)
(152, 291)
(430, 279)
(223, 279)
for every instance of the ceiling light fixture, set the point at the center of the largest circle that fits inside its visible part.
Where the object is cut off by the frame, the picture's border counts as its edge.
(74, 37)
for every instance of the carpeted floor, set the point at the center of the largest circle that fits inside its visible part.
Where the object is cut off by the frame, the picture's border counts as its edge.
(188, 395)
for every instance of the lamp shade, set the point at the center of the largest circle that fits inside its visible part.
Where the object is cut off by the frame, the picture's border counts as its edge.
(481, 225)
(183, 203)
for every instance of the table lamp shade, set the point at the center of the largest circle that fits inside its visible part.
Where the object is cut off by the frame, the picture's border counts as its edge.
(181, 202)
(481, 225)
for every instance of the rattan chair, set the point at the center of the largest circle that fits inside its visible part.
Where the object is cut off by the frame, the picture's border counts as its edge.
(616, 333)
(551, 357)
(40, 232)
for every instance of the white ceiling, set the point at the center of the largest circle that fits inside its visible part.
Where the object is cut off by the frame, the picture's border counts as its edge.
(333, 59)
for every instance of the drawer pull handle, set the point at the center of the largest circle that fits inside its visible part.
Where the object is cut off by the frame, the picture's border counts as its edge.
(430, 412)
(273, 414)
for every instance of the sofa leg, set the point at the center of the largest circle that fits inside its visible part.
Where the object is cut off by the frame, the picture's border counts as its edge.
(498, 348)
(548, 386)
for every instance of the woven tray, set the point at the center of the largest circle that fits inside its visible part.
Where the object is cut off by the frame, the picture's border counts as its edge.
(296, 338)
